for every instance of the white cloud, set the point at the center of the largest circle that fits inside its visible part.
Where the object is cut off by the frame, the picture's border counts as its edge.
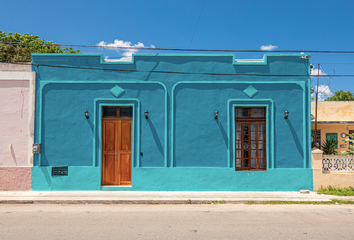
(126, 53)
(268, 47)
(314, 72)
(323, 92)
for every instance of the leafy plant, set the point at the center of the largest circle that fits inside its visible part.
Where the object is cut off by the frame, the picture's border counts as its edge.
(333, 201)
(349, 191)
(314, 144)
(350, 146)
(329, 147)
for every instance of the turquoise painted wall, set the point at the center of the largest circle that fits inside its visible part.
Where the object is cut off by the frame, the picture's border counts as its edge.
(184, 148)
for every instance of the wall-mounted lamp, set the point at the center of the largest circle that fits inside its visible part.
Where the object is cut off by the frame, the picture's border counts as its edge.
(146, 115)
(86, 114)
(286, 114)
(216, 114)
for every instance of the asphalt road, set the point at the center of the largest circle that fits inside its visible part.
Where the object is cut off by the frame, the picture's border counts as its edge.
(217, 221)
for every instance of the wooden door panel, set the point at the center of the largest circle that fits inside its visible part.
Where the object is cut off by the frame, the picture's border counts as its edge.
(125, 168)
(109, 169)
(109, 142)
(109, 135)
(126, 135)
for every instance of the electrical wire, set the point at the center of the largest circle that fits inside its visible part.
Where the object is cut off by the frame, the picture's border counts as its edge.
(122, 70)
(197, 24)
(172, 72)
(337, 63)
(183, 49)
(331, 78)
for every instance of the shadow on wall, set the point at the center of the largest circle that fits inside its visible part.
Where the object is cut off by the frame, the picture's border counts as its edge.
(47, 177)
(223, 132)
(148, 76)
(12, 152)
(156, 137)
(90, 124)
(295, 137)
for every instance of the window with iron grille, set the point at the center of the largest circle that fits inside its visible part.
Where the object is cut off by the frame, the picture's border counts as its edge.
(250, 138)
(318, 137)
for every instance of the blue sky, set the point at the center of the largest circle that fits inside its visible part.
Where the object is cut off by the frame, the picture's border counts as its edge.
(232, 24)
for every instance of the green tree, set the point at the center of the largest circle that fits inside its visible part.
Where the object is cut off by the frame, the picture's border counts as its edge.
(341, 96)
(15, 47)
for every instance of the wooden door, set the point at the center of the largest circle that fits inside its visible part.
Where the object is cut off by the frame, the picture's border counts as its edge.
(116, 149)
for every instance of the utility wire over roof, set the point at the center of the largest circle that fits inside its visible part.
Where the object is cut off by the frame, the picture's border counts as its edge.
(188, 49)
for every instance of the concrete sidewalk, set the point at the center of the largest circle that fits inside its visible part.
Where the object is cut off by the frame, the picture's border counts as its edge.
(143, 197)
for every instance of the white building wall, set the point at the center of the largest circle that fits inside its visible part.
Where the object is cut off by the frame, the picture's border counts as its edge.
(16, 125)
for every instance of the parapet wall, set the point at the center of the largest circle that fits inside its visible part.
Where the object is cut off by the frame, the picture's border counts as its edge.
(334, 170)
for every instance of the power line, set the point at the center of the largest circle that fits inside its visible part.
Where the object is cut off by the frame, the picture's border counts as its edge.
(197, 24)
(184, 49)
(172, 72)
(337, 63)
(331, 78)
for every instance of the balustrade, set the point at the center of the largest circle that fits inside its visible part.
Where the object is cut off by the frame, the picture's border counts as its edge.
(338, 163)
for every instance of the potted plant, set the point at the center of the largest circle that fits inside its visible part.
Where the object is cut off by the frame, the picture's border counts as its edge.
(329, 147)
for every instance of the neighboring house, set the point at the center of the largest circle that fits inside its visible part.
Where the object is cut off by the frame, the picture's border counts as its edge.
(16, 125)
(172, 123)
(335, 119)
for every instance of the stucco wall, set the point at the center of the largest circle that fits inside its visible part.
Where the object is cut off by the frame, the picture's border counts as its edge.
(16, 125)
(181, 146)
(15, 178)
(14, 112)
(338, 111)
(326, 178)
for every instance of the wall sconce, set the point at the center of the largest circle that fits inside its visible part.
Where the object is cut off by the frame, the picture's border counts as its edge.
(146, 115)
(286, 114)
(216, 114)
(86, 114)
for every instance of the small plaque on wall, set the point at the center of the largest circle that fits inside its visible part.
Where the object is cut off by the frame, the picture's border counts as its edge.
(343, 145)
(59, 171)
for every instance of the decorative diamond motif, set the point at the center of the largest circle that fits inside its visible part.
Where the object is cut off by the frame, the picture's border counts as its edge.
(116, 91)
(250, 91)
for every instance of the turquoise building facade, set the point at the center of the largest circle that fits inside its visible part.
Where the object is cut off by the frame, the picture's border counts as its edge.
(197, 123)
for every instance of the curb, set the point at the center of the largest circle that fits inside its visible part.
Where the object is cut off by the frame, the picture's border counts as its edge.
(153, 202)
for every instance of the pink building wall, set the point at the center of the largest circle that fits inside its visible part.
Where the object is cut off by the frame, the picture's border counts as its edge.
(16, 126)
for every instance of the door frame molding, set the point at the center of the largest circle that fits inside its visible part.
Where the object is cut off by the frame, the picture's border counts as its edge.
(97, 129)
(269, 105)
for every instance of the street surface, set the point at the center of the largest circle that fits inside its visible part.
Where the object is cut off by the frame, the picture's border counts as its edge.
(182, 221)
